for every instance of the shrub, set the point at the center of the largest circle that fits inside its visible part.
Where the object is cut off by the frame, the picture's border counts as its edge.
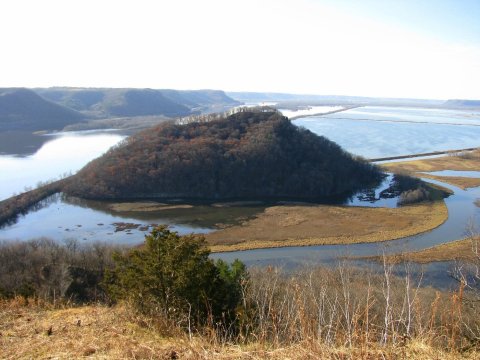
(173, 275)
(413, 196)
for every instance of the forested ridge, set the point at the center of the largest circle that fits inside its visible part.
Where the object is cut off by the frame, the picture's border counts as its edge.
(250, 154)
(23, 109)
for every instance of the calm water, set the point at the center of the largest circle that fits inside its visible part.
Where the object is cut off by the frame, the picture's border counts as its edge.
(417, 115)
(60, 217)
(461, 208)
(59, 154)
(375, 132)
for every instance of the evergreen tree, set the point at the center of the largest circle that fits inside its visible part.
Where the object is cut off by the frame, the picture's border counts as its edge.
(174, 275)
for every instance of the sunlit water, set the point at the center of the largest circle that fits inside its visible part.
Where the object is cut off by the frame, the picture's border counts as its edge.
(65, 153)
(61, 217)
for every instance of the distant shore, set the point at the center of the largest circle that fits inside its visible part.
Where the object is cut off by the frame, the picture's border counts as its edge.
(433, 153)
(325, 113)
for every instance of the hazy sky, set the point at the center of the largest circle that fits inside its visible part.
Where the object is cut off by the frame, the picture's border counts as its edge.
(393, 48)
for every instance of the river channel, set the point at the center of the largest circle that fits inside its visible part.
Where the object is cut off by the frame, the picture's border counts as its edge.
(63, 218)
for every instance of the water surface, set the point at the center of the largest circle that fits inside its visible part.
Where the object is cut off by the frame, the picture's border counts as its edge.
(462, 212)
(383, 132)
(61, 153)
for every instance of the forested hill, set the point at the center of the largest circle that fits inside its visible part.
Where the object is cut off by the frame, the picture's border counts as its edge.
(23, 109)
(109, 102)
(248, 155)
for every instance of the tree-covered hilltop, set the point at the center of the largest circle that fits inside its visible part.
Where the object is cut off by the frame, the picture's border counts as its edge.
(250, 154)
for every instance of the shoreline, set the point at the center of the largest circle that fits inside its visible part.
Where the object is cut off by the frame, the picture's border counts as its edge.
(414, 167)
(450, 251)
(13, 206)
(412, 156)
(325, 113)
(285, 226)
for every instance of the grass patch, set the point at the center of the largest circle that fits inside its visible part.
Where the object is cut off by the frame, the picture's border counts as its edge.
(145, 206)
(455, 250)
(280, 226)
(459, 181)
(458, 162)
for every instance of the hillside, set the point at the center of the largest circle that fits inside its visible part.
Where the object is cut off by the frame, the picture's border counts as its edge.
(23, 109)
(106, 103)
(250, 154)
(106, 332)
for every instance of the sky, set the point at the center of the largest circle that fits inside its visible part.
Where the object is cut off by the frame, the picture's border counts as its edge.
(388, 48)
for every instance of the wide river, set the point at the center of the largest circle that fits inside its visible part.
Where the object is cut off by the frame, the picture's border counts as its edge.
(370, 132)
(375, 132)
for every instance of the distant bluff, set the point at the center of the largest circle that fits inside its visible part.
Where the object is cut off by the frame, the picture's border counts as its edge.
(23, 109)
(248, 155)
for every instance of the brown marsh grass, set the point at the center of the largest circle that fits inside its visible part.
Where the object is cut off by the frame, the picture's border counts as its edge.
(312, 313)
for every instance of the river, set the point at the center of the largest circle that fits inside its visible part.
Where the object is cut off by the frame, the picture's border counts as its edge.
(407, 131)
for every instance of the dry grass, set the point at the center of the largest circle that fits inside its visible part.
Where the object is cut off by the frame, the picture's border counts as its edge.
(459, 181)
(100, 332)
(30, 332)
(467, 162)
(459, 162)
(145, 206)
(455, 250)
(280, 226)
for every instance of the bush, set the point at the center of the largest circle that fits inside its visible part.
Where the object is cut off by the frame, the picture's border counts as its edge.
(413, 196)
(43, 268)
(174, 276)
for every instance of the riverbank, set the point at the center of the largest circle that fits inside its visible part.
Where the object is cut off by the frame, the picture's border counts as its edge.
(460, 250)
(19, 204)
(433, 153)
(328, 225)
(296, 117)
(282, 226)
(463, 161)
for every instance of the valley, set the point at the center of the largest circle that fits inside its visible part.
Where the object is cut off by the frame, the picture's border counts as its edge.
(355, 239)
(267, 224)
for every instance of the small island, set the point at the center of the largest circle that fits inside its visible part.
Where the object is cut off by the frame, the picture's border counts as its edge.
(251, 154)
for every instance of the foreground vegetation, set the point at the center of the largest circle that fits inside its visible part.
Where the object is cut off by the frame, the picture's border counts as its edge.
(99, 331)
(165, 301)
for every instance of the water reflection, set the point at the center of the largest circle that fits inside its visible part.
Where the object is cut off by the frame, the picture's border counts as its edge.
(63, 153)
(19, 143)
